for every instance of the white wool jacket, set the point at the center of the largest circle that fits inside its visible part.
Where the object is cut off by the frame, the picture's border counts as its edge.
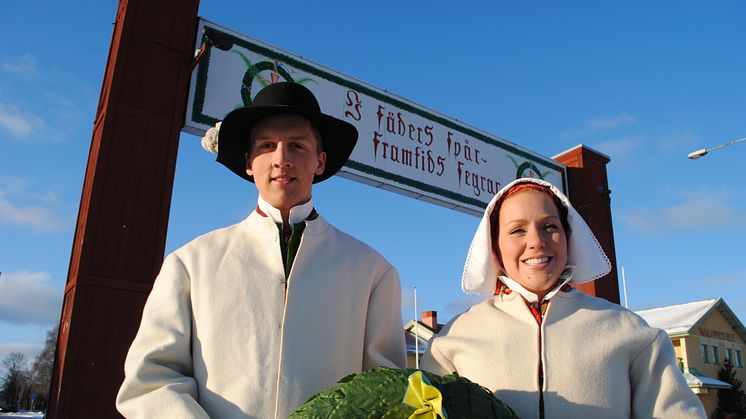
(598, 359)
(220, 338)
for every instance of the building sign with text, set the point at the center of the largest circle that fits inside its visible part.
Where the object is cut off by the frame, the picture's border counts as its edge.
(401, 146)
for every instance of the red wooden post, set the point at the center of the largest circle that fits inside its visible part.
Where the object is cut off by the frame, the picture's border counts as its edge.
(589, 194)
(123, 218)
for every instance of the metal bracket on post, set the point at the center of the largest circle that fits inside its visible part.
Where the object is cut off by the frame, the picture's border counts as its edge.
(211, 39)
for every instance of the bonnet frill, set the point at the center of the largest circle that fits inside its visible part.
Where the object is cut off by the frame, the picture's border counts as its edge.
(585, 259)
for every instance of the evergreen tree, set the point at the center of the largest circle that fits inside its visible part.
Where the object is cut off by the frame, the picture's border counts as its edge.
(730, 400)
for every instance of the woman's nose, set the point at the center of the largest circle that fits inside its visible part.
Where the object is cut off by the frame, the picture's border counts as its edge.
(535, 238)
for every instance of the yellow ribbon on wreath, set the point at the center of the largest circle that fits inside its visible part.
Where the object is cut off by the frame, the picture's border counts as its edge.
(424, 397)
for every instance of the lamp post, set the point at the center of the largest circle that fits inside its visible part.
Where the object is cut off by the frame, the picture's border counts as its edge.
(699, 153)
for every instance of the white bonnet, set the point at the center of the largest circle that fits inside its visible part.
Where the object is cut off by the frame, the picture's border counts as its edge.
(584, 252)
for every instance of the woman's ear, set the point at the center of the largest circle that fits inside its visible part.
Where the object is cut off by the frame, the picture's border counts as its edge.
(501, 269)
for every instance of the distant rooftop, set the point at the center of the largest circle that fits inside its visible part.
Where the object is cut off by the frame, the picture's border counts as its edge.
(699, 380)
(681, 319)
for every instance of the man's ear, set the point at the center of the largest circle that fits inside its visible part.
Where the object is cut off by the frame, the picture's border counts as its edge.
(321, 163)
(249, 171)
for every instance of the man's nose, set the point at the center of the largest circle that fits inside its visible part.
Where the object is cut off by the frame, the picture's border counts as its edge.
(281, 156)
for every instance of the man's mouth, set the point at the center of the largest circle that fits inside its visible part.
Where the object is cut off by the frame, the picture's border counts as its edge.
(537, 260)
(283, 179)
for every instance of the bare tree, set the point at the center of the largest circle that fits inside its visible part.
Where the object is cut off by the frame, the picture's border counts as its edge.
(16, 384)
(42, 370)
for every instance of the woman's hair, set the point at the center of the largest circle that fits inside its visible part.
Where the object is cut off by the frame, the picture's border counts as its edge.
(495, 215)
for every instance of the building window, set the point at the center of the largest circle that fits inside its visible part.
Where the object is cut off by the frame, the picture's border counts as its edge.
(729, 355)
(703, 353)
(715, 355)
(739, 360)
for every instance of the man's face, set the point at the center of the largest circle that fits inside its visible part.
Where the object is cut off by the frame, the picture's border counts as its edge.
(283, 158)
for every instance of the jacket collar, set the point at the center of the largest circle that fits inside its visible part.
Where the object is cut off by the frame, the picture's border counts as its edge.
(528, 295)
(298, 213)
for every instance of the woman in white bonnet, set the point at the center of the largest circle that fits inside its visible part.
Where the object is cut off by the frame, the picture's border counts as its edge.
(543, 347)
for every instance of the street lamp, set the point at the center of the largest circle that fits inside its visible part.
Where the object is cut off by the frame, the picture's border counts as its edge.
(699, 153)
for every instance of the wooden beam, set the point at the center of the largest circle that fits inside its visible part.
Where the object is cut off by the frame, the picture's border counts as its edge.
(123, 218)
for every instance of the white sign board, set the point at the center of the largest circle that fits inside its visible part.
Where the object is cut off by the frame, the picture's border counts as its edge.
(401, 146)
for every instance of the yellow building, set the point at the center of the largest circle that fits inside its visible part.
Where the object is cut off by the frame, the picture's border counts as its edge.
(704, 334)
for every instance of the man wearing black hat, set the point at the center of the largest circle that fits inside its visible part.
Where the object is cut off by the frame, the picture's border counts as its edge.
(251, 320)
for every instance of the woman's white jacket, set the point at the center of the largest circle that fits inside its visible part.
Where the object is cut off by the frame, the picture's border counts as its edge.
(598, 360)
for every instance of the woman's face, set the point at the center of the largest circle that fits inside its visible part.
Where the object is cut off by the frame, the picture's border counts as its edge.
(532, 245)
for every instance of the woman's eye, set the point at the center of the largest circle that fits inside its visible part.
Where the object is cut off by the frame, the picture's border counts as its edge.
(551, 227)
(517, 231)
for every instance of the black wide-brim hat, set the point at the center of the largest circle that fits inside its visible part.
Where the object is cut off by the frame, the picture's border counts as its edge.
(338, 137)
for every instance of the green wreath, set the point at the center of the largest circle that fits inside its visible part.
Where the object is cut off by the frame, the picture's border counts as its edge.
(388, 393)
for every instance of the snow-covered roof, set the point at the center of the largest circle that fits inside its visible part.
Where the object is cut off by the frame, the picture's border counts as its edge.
(680, 319)
(704, 381)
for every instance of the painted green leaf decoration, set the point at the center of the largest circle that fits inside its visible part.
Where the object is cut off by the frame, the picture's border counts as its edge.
(244, 58)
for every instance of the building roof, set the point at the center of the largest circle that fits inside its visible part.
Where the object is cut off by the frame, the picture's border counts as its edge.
(682, 319)
(422, 331)
(698, 380)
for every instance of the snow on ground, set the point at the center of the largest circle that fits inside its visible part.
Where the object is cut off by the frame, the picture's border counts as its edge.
(22, 415)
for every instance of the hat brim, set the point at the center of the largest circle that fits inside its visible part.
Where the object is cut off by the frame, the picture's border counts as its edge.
(338, 137)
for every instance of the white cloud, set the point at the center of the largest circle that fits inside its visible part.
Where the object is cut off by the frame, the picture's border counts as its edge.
(29, 298)
(726, 281)
(18, 123)
(728, 286)
(21, 208)
(680, 141)
(619, 147)
(462, 304)
(67, 118)
(602, 124)
(703, 208)
(594, 126)
(13, 184)
(26, 66)
(445, 313)
(39, 218)
(407, 300)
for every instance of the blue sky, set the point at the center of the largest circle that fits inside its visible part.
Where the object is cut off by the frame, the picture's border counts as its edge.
(643, 82)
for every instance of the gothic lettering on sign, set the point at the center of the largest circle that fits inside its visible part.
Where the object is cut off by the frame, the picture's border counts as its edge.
(397, 137)
(353, 101)
(403, 142)
(463, 151)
